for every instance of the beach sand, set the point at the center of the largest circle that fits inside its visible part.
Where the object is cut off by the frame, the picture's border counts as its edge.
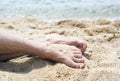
(102, 57)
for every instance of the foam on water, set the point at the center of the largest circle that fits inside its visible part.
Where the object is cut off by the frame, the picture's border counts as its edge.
(59, 9)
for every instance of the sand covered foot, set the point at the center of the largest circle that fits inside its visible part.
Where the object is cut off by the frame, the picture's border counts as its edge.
(69, 55)
(59, 39)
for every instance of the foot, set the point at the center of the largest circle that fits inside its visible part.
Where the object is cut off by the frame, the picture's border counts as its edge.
(69, 55)
(58, 39)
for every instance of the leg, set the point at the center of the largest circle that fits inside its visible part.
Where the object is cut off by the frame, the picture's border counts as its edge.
(9, 55)
(6, 55)
(69, 55)
(73, 58)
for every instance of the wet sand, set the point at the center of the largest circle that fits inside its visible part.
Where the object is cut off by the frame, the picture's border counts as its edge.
(102, 57)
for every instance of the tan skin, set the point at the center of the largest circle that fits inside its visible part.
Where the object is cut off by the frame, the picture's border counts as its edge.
(67, 52)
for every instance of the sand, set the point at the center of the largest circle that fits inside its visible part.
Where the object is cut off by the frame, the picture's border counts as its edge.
(102, 57)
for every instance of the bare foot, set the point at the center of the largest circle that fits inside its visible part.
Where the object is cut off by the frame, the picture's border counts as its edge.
(59, 39)
(69, 55)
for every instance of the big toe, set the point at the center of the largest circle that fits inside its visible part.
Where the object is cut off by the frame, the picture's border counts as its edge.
(78, 65)
(75, 65)
(82, 46)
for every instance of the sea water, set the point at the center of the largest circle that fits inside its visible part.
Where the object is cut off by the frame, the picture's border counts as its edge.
(59, 9)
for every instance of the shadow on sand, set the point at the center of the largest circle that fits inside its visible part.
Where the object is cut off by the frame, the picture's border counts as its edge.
(25, 67)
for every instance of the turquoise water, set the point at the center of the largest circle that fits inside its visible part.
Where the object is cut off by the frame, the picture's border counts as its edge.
(59, 9)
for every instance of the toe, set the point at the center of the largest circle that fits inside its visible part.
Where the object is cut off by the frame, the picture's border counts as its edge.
(78, 60)
(78, 52)
(84, 46)
(80, 66)
(73, 64)
(78, 55)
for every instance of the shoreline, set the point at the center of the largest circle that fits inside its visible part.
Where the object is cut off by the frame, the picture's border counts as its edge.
(60, 19)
